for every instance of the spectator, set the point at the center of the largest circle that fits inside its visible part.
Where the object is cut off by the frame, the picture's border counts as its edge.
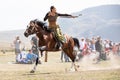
(21, 57)
(26, 58)
(66, 58)
(92, 44)
(30, 58)
(35, 50)
(82, 44)
(17, 43)
(98, 46)
(119, 49)
(34, 42)
(107, 46)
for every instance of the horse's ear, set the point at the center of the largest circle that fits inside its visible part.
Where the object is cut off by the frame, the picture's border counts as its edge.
(36, 20)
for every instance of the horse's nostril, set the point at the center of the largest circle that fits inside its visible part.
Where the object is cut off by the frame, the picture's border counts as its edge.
(25, 34)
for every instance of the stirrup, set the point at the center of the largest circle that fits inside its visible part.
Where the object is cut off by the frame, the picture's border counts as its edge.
(63, 41)
(57, 45)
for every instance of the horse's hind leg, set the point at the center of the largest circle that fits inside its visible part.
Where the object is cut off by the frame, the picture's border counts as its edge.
(74, 67)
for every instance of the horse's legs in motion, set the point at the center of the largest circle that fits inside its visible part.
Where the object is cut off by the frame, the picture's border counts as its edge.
(70, 52)
(72, 57)
(74, 67)
(34, 68)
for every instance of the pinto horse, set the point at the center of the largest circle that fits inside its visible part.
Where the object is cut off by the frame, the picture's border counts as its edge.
(47, 41)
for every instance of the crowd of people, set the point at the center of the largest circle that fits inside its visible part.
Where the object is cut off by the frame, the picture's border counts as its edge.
(26, 58)
(94, 46)
(98, 46)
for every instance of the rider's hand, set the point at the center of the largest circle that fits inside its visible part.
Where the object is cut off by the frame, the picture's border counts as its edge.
(80, 14)
(74, 16)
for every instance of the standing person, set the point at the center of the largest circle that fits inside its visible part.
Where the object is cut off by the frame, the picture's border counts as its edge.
(17, 43)
(52, 16)
(98, 47)
(92, 44)
(119, 49)
(63, 55)
(34, 42)
(82, 44)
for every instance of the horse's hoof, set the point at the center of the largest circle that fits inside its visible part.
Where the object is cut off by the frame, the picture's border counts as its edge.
(72, 70)
(78, 66)
(76, 70)
(32, 71)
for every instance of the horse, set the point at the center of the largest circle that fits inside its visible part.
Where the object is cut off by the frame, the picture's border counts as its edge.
(47, 41)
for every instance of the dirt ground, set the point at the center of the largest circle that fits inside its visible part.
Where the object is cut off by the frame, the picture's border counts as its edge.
(54, 69)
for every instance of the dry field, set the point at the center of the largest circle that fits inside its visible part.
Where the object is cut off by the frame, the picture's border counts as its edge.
(54, 69)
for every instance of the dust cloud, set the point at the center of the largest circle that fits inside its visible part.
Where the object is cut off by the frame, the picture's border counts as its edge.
(91, 62)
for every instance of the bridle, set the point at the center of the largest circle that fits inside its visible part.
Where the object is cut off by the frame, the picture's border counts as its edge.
(32, 30)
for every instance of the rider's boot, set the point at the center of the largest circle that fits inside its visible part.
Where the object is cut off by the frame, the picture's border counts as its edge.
(57, 45)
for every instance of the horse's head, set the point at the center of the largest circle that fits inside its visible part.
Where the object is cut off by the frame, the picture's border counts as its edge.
(30, 29)
(34, 27)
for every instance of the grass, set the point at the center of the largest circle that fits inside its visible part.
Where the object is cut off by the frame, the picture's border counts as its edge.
(83, 75)
(54, 69)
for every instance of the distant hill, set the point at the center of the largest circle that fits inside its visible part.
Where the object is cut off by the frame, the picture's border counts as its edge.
(101, 20)
(7, 38)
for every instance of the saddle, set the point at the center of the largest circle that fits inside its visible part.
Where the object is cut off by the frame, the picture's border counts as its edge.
(58, 42)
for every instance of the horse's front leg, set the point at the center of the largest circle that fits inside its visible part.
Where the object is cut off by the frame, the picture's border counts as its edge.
(45, 47)
(34, 68)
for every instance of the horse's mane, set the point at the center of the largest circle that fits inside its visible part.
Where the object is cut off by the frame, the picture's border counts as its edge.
(41, 24)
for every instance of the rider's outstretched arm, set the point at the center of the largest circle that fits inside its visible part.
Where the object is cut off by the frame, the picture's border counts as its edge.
(66, 15)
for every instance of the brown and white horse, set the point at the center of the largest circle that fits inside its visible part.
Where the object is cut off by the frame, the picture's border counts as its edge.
(47, 41)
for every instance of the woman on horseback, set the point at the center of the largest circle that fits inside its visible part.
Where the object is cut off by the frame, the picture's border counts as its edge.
(52, 16)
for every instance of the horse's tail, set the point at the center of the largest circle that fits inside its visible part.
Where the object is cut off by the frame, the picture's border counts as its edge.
(76, 42)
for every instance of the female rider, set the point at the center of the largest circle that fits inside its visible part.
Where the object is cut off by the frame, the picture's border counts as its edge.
(52, 16)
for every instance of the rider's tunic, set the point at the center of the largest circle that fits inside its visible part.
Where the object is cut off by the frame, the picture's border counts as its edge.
(54, 27)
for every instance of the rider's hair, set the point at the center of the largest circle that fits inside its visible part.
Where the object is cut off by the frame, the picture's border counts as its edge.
(52, 7)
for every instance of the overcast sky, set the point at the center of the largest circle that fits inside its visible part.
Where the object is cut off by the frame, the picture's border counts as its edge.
(16, 14)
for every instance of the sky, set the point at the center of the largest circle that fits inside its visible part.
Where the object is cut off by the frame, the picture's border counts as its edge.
(16, 14)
